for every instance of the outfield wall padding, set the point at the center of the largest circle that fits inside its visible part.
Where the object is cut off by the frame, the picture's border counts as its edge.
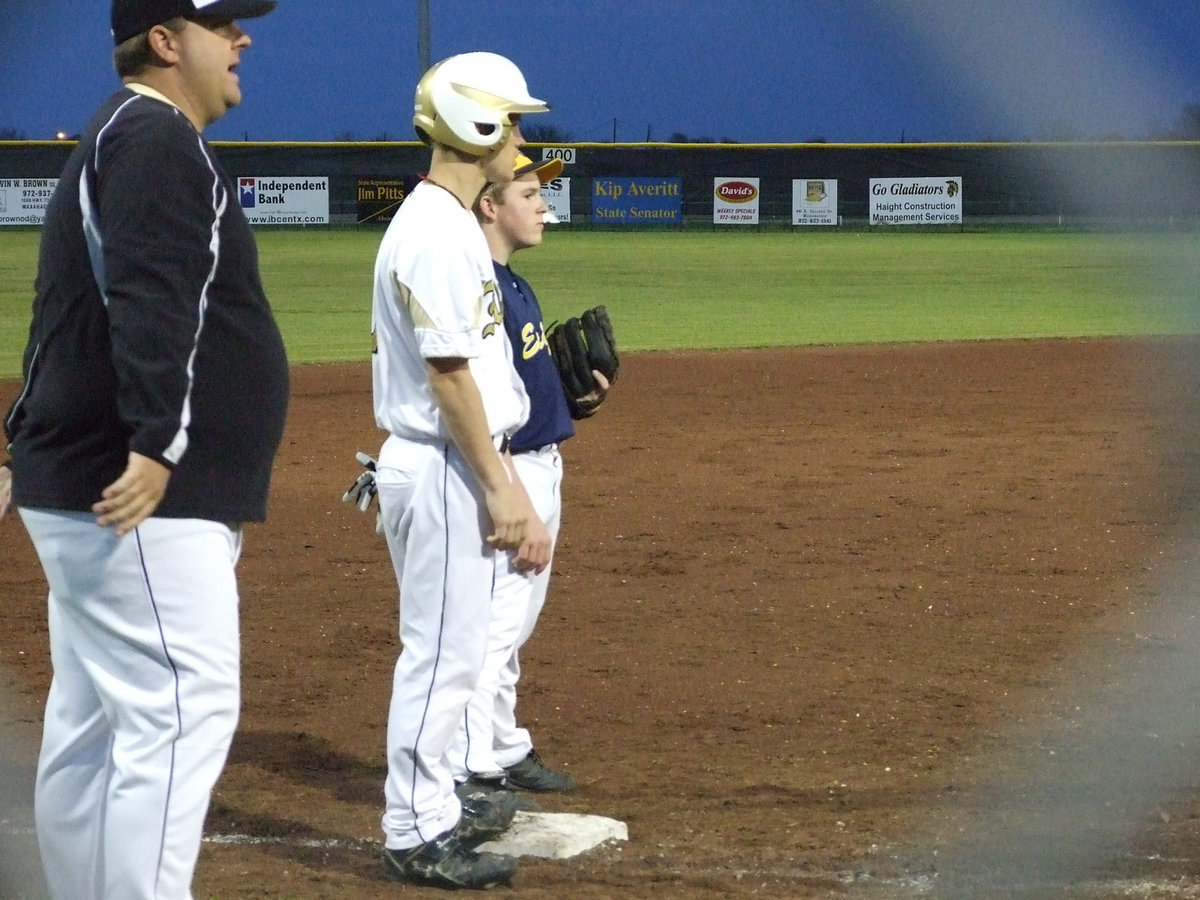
(1123, 181)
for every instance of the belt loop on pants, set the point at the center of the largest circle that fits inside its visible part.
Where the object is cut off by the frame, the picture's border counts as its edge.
(502, 443)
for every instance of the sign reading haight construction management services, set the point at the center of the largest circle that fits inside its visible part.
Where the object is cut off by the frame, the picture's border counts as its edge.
(916, 201)
(23, 200)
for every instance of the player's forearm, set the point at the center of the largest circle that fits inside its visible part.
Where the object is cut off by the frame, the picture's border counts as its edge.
(461, 408)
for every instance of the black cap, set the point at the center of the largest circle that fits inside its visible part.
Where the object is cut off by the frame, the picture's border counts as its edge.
(132, 17)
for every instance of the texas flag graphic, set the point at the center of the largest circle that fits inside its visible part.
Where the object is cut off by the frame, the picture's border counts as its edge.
(247, 192)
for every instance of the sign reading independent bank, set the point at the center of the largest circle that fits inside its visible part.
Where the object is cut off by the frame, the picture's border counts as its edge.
(285, 200)
(637, 201)
(916, 201)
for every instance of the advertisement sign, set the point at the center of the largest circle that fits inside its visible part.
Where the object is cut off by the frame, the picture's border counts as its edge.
(916, 201)
(377, 199)
(637, 201)
(557, 194)
(735, 201)
(814, 201)
(285, 199)
(23, 200)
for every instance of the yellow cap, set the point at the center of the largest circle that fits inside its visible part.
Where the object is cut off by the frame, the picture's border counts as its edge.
(545, 171)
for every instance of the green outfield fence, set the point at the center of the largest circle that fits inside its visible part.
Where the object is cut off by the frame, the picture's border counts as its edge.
(1057, 184)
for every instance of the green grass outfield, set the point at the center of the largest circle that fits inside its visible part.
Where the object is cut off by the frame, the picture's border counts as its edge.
(705, 289)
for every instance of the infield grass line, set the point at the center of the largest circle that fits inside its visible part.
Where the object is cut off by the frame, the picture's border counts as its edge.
(739, 289)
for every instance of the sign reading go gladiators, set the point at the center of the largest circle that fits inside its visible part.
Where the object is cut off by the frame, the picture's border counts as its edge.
(916, 201)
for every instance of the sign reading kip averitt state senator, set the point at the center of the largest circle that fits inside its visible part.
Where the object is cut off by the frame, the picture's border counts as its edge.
(637, 201)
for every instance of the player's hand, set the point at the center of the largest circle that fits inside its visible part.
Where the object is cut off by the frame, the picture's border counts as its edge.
(534, 553)
(133, 497)
(5, 490)
(509, 510)
(597, 396)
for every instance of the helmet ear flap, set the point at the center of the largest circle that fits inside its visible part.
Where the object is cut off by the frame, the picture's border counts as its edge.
(424, 113)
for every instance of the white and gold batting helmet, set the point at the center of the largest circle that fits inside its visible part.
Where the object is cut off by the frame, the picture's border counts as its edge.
(467, 102)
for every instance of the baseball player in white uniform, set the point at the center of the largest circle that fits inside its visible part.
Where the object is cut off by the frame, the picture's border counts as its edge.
(446, 392)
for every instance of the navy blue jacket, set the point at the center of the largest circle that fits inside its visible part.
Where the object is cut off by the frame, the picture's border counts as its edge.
(151, 331)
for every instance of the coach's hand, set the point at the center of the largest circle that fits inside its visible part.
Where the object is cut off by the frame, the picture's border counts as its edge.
(133, 497)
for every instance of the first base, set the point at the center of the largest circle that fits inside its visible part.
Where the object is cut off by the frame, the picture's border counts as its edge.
(555, 835)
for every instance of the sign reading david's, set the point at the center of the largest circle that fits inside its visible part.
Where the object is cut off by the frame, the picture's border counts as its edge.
(916, 201)
(285, 199)
(735, 201)
(637, 201)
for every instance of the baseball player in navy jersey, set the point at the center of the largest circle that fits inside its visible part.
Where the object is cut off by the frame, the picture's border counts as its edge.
(491, 751)
(155, 390)
(451, 503)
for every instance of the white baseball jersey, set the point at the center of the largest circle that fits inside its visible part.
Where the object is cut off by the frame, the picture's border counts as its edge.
(436, 297)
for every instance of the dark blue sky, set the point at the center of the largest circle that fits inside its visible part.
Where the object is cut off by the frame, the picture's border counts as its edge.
(746, 70)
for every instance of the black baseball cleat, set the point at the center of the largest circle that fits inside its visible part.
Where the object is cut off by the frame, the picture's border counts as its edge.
(531, 774)
(445, 863)
(478, 784)
(485, 816)
(496, 783)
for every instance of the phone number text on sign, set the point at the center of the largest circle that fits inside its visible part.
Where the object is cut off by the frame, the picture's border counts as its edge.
(23, 200)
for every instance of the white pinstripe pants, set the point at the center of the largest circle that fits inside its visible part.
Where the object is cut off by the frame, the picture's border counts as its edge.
(489, 738)
(435, 520)
(143, 703)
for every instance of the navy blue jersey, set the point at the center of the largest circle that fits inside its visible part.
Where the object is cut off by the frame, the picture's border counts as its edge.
(549, 418)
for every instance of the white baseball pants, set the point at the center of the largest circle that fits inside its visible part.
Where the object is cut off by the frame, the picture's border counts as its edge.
(488, 737)
(435, 520)
(143, 703)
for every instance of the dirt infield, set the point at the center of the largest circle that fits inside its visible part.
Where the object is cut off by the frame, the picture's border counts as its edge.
(818, 621)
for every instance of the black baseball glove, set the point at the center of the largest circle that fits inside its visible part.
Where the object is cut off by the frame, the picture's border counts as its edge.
(579, 346)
